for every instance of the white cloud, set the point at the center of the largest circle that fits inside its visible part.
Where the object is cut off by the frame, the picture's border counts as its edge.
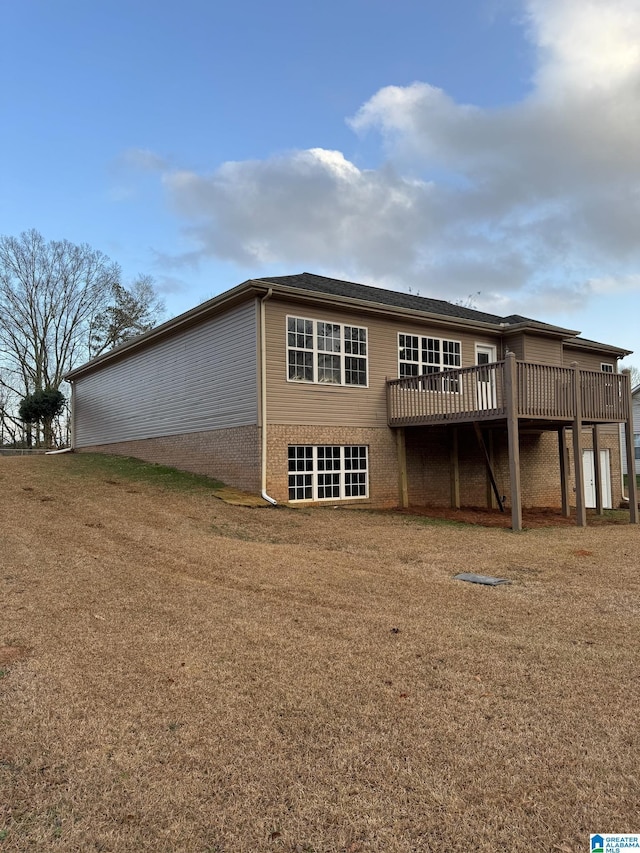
(144, 159)
(308, 207)
(536, 201)
(610, 285)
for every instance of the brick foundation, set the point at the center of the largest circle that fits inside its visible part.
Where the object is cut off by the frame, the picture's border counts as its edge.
(383, 459)
(230, 455)
(429, 474)
(233, 456)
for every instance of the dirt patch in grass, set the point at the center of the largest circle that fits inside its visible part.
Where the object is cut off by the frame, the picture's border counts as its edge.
(204, 677)
(532, 517)
(10, 654)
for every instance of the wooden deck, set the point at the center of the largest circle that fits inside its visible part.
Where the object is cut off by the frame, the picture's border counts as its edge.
(541, 391)
(517, 392)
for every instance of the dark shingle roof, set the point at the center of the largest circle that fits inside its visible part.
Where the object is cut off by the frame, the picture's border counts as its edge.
(352, 290)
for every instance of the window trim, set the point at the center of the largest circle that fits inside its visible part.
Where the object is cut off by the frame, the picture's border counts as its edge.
(342, 471)
(316, 352)
(420, 363)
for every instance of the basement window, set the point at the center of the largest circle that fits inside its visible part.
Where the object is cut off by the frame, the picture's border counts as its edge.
(325, 472)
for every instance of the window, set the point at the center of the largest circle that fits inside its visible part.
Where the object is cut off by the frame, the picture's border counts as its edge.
(636, 444)
(322, 352)
(327, 472)
(418, 355)
(609, 390)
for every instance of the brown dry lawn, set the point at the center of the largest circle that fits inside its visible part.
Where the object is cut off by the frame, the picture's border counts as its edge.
(179, 674)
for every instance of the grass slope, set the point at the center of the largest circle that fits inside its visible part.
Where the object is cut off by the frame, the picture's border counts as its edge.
(177, 674)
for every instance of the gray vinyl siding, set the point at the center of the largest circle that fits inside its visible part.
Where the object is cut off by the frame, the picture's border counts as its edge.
(203, 378)
(636, 422)
(636, 429)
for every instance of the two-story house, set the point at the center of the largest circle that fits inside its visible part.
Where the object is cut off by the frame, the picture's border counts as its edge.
(310, 389)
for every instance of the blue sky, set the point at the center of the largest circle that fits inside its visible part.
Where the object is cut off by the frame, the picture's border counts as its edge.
(486, 148)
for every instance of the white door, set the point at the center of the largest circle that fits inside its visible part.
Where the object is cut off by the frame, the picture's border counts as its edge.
(589, 473)
(486, 385)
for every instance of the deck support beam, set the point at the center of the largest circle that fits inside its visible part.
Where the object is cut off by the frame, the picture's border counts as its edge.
(631, 461)
(511, 388)
(493, 499)
(454, 468)
(487, 462)
(564, 471)
(581, 510)
(403, 487)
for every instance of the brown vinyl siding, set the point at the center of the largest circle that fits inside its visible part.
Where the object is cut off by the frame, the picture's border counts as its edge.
(535, 348)
(515, 344)
(340, 405)
(589, 360)
(542, 350)
(203, 378)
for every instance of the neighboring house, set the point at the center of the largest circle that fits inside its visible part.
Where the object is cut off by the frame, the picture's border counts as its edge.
(635, 396)
(309, 389)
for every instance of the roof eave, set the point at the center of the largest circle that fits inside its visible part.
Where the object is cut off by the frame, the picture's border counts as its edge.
(545, 329)
(189, 318)
(596, 346)
(313, 296)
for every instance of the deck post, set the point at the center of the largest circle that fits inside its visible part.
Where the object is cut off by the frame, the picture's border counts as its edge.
(631, 462)
(403, 489)
(454, 468)
(597, 469)
(511, 388)
(564, 470)
(581, 510)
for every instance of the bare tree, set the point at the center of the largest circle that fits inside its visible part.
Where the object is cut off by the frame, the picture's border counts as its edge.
(134, 310)
(634, 371)
(53, 298)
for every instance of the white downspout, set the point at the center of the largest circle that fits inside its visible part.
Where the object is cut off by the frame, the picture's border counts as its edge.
(263, 401)
(72, 431)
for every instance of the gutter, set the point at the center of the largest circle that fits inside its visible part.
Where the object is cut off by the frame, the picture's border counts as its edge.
(263, 402)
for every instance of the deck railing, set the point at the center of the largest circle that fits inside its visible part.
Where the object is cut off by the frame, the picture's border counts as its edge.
(542, 391)
(449, 395)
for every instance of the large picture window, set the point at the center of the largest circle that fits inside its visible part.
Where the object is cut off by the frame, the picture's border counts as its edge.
(323, 352)
(418, 355)
(327, 472)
